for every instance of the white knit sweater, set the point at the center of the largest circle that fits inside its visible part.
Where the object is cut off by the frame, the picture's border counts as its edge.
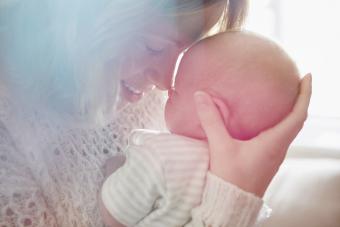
(50, 176)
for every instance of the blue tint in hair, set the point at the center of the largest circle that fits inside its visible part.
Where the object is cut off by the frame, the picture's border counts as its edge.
(54, 52)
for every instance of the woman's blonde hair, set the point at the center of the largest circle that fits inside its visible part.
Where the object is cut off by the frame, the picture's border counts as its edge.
(56, 52)
(233, 15)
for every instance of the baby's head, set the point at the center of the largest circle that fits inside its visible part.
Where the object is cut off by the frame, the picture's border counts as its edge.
(245, 73)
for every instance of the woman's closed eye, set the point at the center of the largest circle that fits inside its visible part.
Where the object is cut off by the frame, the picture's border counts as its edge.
(154, 45)
(155, 49)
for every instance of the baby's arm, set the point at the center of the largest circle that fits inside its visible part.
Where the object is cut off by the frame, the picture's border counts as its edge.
(110, 167)
(108, 219)
(251, 164)
(129, 193)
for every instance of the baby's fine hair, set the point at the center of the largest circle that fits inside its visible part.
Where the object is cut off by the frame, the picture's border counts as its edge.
(252, 75)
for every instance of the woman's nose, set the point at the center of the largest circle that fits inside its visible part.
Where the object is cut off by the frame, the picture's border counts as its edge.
(161, 81)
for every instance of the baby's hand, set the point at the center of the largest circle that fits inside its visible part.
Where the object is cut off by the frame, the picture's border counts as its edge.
(251, 164)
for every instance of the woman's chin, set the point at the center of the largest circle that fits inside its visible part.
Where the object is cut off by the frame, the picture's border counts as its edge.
(127, 96)
(132, 98)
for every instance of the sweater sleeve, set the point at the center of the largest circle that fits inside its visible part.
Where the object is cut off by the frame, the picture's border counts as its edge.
(225, 205)
(22, 202)
(130, 193)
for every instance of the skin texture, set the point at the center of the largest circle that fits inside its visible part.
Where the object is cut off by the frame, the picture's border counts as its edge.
(252, 164)
(247, 74)
(110, 166)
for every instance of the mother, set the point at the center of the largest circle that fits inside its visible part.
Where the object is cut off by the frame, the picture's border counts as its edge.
(68, 70)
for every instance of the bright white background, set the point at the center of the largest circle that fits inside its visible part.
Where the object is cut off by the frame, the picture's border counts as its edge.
(309, 30)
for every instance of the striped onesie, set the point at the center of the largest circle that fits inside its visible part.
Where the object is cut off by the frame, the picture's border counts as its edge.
(161, 181)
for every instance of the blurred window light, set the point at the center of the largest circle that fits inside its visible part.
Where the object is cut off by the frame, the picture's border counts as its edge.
(310, 33)
(308, 30)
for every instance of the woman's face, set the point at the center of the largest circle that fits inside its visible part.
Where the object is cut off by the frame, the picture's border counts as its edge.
(149, 61)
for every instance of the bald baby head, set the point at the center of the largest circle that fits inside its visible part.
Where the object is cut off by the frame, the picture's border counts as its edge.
(251, 75)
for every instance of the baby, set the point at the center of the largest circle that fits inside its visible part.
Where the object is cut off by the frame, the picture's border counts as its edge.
(165, 174)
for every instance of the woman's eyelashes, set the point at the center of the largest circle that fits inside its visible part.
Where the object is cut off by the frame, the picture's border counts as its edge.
(154, 49)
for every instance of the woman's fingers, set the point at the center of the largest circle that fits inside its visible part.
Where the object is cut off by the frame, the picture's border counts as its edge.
(220, 142)
(288, 128)
(211, 119)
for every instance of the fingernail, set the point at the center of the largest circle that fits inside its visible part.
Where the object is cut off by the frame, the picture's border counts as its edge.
(309, 75)
(310, 78)
(200, 98)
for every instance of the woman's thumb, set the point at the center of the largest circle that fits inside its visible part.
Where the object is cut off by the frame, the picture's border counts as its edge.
(213, 114)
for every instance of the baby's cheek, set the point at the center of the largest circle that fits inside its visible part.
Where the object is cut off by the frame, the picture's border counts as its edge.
(182, 119)
(190, 125)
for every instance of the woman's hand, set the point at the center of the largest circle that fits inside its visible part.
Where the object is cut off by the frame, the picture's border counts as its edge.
(251, 164)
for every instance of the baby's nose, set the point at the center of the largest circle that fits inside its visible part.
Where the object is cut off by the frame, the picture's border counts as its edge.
(170, 92)
(162, 82)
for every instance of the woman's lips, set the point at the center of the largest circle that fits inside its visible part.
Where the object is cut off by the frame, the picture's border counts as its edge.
(131, 88)
(130, 93)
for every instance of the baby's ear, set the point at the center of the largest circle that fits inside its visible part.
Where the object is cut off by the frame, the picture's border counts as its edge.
(223, 108)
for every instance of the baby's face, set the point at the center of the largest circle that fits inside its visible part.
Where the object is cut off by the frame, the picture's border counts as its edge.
(180, 111)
